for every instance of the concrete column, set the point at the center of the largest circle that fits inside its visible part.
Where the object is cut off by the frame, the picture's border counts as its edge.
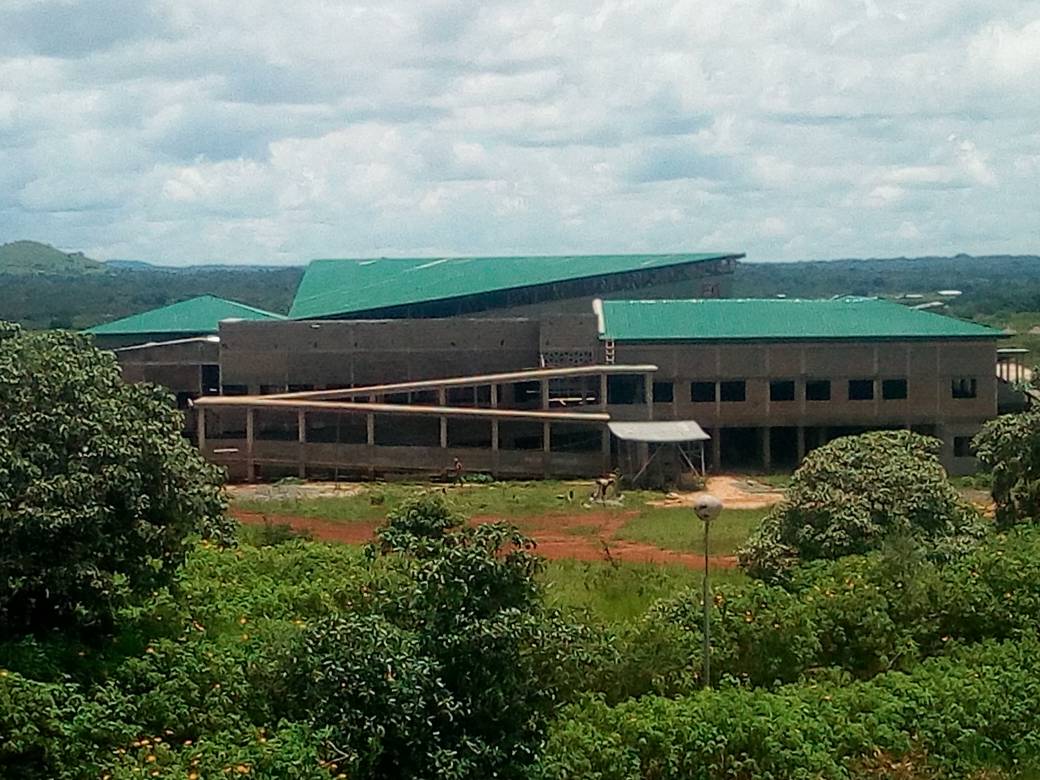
(801, 444)
(716, 450)
(494, 400)
(546, 448)
(250, 428)
(495, 457)
(648, 388)
(545, 393)
(444, 432)
(301, 435)
(603, 391)
(605, 449)
(200, 426)
(767, 456)
(370, 423)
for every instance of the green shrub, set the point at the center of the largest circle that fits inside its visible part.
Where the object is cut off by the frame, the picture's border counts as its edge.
(381, 697)
(99, 492)
(760, 635)
(271, 534)
(974, 711)
(1009, 447)
(854, 493)
(449, 672)
(862, 614)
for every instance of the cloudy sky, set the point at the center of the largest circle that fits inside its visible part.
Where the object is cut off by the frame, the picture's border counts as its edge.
(183, 131)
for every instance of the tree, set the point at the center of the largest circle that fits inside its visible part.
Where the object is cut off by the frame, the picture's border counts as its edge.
(99, 492)
(450, 670)
(1009, 447)
(854, 493)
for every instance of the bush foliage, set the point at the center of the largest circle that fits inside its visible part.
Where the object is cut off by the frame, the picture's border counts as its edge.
(431, 654)
(851, 495)
(310, 660)
(445, 672)
(1009, 447)
(99, 492)
(955, 716)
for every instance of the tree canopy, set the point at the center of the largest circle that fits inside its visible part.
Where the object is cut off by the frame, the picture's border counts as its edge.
(1009, 447)
(854, 493)
(99, 492)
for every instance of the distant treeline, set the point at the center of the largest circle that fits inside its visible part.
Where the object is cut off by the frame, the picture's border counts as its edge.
(993, 287)
(48, 301)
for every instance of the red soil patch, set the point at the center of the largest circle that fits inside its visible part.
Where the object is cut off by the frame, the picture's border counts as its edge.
(580, 537)
(325, 530)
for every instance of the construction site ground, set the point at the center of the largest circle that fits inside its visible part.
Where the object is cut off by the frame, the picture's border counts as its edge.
(563, 521)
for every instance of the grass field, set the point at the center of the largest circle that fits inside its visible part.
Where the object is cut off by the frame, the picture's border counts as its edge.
(678, 529)
(371, 502)
(617, 592)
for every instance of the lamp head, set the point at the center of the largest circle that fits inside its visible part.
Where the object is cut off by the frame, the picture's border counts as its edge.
(707, 507)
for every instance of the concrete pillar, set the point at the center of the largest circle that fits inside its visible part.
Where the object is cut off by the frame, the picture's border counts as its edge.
(494, 400)
(648, 389)
(603, 391)
(767, 455)
(496, 466)
(546, 448)
(801, 444)
(716, 450)
(250, 432)
(370, 424)
(301, 435)
(200, 426)
(605, 449)
(545, 393)
(444, 432)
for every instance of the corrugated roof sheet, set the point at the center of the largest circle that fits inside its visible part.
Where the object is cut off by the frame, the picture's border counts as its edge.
(659, 431)
(786, 318)
(331, 287)
(194, 316)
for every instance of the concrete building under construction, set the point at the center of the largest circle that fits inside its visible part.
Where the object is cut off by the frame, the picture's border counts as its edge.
(530, 367)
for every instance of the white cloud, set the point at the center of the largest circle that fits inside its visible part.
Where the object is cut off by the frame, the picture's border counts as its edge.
(186, 130)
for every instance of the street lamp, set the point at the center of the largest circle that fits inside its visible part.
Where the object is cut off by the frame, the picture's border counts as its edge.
(708, 508)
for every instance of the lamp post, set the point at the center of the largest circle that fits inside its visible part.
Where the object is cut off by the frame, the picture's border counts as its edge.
(708, 508)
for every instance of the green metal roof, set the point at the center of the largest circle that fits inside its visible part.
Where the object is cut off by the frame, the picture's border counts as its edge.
(194, 316)
(779, 319)
(331, 287)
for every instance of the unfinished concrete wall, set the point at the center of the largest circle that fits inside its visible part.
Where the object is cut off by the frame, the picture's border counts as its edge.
(345, 353)
(187, 368)
(949, 387)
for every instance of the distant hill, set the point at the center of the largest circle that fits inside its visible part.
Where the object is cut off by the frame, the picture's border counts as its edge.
(129, 265)
(142, 265)
(24, 258)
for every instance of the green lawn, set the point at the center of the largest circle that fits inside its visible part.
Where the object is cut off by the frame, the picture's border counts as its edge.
(679, 529)
(778, 481)
(616, 592)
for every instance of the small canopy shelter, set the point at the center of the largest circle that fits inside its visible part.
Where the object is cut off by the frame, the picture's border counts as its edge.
(664, 433)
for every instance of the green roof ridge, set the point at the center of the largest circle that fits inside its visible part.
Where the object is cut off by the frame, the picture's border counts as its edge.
(347, 286)
(751, 319)
(199, 315)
